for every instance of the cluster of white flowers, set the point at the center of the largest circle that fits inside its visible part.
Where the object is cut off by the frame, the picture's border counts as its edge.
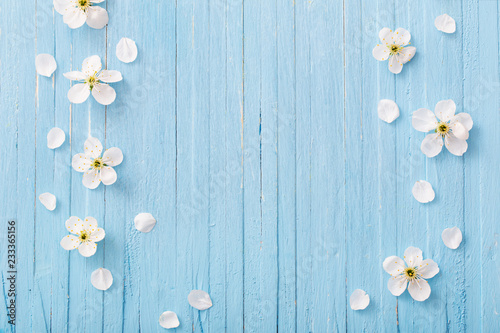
(412, 272)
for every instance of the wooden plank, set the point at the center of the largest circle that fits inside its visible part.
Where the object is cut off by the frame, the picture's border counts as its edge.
(260, 167)
(226, 169)
(286, 173)
(193, 159)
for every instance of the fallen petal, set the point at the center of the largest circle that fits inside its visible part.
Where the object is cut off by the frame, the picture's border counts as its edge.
(45, 64)
(445, 23)
(423, 192)
(199, 299)
(101, 279)
(452, 237)
(126, 50)
(168, 319)
(55, 138)
(359, 300)
(144, 222)
(388, 110)
(48, 200)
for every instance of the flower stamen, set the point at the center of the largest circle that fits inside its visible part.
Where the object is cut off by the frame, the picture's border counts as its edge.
(394, 49)
(92, 81)
(97, 163)
(410, 273)
(83, 4)
(84, 236)
(443, 129)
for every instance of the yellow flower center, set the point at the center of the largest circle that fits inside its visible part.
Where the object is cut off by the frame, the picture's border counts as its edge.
(443, 129)
(410, 273)
(83, 4)
(394, 49)
(97, 163)
(92, 81)
(84, 236)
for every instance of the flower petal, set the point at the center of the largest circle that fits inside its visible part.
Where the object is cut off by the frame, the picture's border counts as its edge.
(91, 179)
(108, 175)
(91, 65)
(199, 299)
(428, 269)
(110, 76)
(97, 17)
(407, 54)
(112, 156)
(45, 64)
(61, 6)
(74, 225)
(70, 242)
(359, 300)
(144, 222)
(432, 145)
(413, 256)
(104, 94)
(423, 192)
(388, 110)
(393, 265)
(93, 147)
(78, 93)
(452, 237)
(419, 290)
(87, 249)
(424, 120)
(90, 224)
(401, 36)
(395, 64)
(75, 76)
(463, 118)
(381, 52)
(445, 110)
(445, 23)
(455, 145)
(48, 200)
(168, 319)
(126, 50)
(81, 162)
(74, 17)
(97, 235)
(55, 138)
(459, 130)
(397, 285)
(385, 35)
(101, 279)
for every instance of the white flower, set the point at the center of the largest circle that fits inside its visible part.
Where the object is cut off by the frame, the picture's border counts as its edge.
(92, 78)
(454, 129)
(96, 168)
(87, 234)
(77, 12)
(394, 46)
(411, 274)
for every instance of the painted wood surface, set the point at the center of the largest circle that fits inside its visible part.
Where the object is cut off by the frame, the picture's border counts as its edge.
(250, 132)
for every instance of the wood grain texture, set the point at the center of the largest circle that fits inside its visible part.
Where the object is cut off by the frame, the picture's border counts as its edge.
(250, 132)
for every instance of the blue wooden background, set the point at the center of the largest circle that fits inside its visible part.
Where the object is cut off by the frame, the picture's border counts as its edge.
(250, 131)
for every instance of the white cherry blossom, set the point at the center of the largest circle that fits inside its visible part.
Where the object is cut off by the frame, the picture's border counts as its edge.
(445, 124)
(94, 167)
(85, 235)
(394, 47)
(411, 272)
(93, 79)
(76, 12)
